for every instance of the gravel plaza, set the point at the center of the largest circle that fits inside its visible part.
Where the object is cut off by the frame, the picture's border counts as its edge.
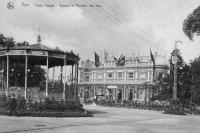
(105, 119)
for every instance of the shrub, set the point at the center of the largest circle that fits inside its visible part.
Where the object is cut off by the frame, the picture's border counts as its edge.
(21, 103)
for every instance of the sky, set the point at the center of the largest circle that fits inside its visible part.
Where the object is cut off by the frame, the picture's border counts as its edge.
(117, 26)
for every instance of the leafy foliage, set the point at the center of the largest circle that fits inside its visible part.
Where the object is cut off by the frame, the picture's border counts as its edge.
(191, 24)
(6, 42)
(183, 80)
(195, 72)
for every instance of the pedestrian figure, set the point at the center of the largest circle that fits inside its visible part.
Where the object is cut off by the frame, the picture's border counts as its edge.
(13, 105)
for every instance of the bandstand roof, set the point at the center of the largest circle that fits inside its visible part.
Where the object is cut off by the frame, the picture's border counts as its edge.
(38, 53)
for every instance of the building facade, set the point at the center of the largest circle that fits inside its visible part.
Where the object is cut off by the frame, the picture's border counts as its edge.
(132, 81)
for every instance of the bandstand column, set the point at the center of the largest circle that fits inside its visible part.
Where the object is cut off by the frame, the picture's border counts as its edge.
(71, 86)
(124, 92)
(47, 76)
(7, 78)
(72, 74)
(61, 75)
(148, 87)
(77, 81)
(26, 75)
(94, 87)
(136, 91)
(145, 94)
(64, 79)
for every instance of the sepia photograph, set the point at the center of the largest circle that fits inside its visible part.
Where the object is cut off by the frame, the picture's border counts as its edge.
(99, 66)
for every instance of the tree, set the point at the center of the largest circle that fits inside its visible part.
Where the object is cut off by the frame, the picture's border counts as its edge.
(164, 85)
(191, 24)
(2, 39)
(183, 80)
(6, 42)
(195, 72)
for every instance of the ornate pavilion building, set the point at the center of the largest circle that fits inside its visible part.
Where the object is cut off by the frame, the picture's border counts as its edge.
(37, 55)
(132, 81)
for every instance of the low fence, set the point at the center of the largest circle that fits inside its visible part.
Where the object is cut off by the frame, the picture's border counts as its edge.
(33, 94)
(148, 106)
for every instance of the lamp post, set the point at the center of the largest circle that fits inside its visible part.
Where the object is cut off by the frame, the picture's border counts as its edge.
(14, 75)
(175, 70)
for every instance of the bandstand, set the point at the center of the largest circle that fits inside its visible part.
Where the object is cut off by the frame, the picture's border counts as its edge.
(41, 55)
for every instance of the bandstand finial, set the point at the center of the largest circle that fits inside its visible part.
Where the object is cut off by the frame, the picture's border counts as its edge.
(39, 37)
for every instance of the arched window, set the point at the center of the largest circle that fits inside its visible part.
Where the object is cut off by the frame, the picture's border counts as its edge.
(130, 95)
(119, 95)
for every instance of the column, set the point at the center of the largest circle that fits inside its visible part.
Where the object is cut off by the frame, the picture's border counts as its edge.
(124, 93)
(72, 78)
(72, 74)
(76, 73)
(104, 89)
(26, 75)
(135, 92)
(148, 86)
(75, 77)
(75, 85)
(7, 78)
(2, 75)
(114, 76)
(139, 92)
(145, 94)
(124, 75)
(148, 75)
(94, 91)
(61, 75)
(136, 75)
(64, 80)
(47, 75)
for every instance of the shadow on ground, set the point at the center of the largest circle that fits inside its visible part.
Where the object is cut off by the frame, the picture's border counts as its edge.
(97, 112)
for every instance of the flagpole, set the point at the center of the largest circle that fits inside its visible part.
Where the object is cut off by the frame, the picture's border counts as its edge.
(154, 66)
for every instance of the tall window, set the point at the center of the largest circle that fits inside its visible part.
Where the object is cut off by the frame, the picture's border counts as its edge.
(119, 75)
(109, 75)
(99, 76)
(131, 75)
(143, 75)
(87, 77)
(130, 97)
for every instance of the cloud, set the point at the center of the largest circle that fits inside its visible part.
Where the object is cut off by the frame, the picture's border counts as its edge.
(118, 26)
(57, 24)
